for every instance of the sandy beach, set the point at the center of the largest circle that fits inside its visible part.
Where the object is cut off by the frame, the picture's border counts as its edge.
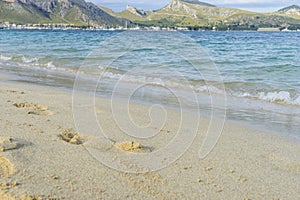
(43, 156)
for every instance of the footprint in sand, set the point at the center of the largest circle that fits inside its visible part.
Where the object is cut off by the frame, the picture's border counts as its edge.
(8, 143)
(6, 167)
(34, 109)
(106, 145)
(132, 146)
(71, 137)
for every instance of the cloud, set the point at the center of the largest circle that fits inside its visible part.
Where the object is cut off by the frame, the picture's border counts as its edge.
(256, 5)
(254, 2)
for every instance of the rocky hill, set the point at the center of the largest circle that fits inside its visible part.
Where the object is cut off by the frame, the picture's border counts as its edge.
(193, 13)
(135, 11)
(177, 13)
(76, 12)
(291, 10)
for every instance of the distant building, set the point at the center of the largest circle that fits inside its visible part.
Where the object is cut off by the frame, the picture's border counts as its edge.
(268, 30)
(182, 28)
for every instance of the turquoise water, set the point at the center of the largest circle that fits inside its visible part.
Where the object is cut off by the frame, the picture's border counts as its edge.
(260, 71)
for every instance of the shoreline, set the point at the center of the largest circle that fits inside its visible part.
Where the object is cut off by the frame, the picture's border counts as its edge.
(24, 28)
(245, 163)
(255, 126)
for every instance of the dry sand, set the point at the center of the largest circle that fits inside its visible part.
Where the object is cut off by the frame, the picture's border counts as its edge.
(42, 156)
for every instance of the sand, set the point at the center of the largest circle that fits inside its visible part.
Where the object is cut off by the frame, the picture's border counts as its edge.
(43, 156)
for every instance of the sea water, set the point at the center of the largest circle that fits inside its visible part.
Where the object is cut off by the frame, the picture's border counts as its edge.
(259, 71)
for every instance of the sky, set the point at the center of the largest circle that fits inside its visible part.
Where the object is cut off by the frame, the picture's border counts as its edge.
(252, 5)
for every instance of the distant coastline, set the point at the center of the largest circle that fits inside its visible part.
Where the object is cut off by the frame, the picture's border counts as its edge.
(176, 15)
(13, 26)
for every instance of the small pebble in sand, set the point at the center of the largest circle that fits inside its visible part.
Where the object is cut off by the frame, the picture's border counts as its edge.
(242, 179)
(207, 169)
(218, 190)
(186, 168)
(199, 180)
(165, 131)
(54, 177)
(58, 187)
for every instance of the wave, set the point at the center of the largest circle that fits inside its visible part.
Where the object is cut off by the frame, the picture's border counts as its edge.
(5, 58)
(281, 97)
(50, 65)
(29, 59)
(163, 82)
(234, 89)
(209, 89)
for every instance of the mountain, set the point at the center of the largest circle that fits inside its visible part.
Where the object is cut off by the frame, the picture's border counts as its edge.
(193, 13)
(135, 11)
(290, 10)
(177, 13)
(76, 12)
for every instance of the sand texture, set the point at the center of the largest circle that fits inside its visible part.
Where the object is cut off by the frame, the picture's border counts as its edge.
(43, 156)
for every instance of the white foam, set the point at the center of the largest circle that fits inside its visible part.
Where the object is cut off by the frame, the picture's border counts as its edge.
(246, 94)
(282, 96)
(159, 81)
(50, 65)
(297, 100)
(29, 60)
(275, 97)
(111, 75)
(210, 89)
(5, 58)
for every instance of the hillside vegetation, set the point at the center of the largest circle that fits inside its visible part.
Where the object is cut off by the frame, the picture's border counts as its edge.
(77, 12)
(178, 13)
(195, 14)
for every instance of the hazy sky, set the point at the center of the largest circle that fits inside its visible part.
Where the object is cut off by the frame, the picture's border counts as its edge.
(254, 5)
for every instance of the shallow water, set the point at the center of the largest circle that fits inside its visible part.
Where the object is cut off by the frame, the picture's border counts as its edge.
(260, 71)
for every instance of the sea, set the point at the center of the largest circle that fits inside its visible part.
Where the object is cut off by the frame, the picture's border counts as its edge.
(250, 78)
